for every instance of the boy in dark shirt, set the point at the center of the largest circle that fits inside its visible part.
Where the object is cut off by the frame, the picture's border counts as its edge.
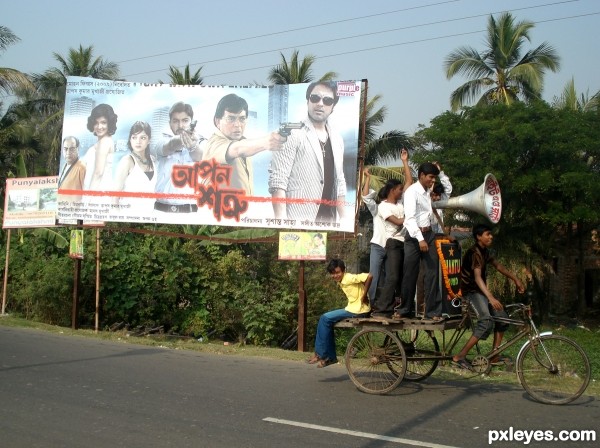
(474, 288)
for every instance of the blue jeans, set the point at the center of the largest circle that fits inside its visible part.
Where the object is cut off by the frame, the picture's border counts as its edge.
(325, 339)
(376, 270)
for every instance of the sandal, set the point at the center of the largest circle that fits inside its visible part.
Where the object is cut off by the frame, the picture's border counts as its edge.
(313, 359)
(462, 364)
(435, 319)
(325, 362)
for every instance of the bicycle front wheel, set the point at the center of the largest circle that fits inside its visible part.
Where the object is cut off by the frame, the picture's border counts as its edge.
(375, 361)
(553, 369)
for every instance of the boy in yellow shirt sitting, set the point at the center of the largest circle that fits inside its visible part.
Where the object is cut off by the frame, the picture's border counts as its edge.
(355, 286)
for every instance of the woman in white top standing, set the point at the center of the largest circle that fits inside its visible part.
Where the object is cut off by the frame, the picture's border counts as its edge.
(135, 172)
(377, 248)
(380, 237)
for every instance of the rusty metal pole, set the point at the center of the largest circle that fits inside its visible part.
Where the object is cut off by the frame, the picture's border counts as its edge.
(6, 271)
(76, 281)
(97, 277)
(301, 309)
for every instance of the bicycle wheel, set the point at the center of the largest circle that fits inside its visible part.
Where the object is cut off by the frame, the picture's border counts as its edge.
(375, 361)
(422, 353)
(553, 369)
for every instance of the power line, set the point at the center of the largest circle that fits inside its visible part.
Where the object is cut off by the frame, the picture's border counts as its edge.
(369, 34)
(357, 36)
(402, 43)
(244, 39)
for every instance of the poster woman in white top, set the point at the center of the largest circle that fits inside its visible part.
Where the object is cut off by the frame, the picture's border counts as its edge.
(135, 171)
(103, 123)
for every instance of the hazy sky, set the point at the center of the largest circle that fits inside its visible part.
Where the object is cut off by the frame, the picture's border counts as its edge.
(398, 46)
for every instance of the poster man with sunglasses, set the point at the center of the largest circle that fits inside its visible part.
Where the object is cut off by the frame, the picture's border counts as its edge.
(306, 178)
(228, 146)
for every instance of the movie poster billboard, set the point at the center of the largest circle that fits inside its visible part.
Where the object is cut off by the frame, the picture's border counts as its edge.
(30, 202)
(272, 157)
(302, 246)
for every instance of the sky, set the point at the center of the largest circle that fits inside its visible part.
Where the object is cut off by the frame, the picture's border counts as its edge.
(399, 47)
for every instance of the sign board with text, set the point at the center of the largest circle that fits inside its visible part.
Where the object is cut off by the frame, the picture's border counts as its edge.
(158, 153)
(30, 202)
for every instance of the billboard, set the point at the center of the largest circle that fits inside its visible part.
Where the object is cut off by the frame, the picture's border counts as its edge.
(30, 202)
(302, 246)
(272, 157)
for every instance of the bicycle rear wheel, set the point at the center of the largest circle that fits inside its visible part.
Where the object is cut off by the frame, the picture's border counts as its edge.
(375, 361)
(553, 369)
(422, 353)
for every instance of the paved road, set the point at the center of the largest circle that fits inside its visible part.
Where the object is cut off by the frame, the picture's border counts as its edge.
(69, 391)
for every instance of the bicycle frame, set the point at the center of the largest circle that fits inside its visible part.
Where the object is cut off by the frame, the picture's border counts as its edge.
(527, 325)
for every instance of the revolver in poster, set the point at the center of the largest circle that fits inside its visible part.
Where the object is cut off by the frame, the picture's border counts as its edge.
(286, 128)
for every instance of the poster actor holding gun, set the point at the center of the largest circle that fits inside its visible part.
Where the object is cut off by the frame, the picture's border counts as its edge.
(306, 178)
(177, 145)
(228, 146)
(286, 128)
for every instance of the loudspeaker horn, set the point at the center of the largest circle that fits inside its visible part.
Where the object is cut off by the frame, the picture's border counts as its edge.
(485, 200)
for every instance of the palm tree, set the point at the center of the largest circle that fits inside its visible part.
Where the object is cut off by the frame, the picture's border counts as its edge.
(381, 151)
(9, 77)
(47, 102)
(570, 100)
(10, 81)
(183, 78)
(81, 62)
(296, 72)
(500, 74)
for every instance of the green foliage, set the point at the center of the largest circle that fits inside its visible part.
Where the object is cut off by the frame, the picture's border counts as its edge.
(570, 99)
(296, 71)
(265, 317)
(546, 161)
(40, 281)
(547, 164)
(177, 77)
(501, 73)
(239, 292)
(146, 282)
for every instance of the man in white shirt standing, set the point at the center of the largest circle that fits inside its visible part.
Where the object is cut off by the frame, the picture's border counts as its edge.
(440, 192)
(419, 244)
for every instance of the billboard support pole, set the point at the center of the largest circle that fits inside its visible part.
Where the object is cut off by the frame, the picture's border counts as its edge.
(6, 272)
(97, 278)
(301, 309)
(76, 277)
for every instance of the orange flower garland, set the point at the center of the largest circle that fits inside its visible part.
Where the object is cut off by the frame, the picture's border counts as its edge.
(438, 246)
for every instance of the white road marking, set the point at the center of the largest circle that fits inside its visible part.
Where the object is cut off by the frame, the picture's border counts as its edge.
(365, 435)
